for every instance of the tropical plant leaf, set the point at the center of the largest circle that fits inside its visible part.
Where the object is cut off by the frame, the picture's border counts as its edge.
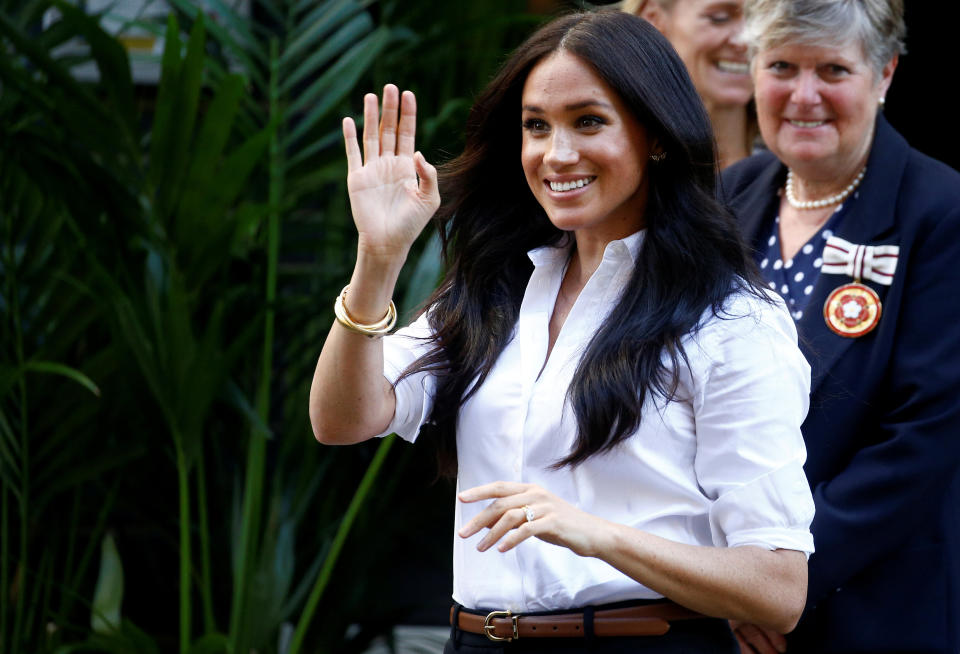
(161, 139)
(334, 85)
(110, 57)
(108, 594)
(325, 49)
(316, 25)
(53, 368)
(183, 103)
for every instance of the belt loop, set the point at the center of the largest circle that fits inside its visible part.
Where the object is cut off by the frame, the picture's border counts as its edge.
(456, 624)
(588, 625)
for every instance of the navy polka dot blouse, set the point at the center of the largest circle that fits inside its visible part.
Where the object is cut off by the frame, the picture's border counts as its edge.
(794, 278)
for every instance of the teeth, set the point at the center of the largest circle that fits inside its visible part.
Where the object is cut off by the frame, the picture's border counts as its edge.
(569, 186)
(806, 123)
(738, 67)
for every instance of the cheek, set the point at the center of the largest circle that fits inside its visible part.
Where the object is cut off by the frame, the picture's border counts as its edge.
(769, 99)
(529, 161)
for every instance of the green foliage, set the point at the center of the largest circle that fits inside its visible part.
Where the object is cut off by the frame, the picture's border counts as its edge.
(167, 269)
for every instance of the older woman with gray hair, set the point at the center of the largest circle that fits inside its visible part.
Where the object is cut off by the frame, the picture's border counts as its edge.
(860, 234)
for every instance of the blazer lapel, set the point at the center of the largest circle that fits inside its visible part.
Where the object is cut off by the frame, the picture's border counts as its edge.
(759, 201)
(870, 221)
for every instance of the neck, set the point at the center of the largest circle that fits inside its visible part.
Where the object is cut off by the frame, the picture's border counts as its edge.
(584, 260)
(730, 128)
(812, 189)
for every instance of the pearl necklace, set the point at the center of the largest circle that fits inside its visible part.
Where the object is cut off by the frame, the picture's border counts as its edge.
(825, 202)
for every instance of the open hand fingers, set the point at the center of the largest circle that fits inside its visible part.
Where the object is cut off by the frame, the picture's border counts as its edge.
(428, 180)
(512, 528)
(371, 137)
(408, 124)
(493, 490)
(762, 641)
(388, 120)
(354, 159)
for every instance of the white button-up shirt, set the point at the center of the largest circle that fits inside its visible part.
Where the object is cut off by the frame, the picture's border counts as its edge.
(719, 465)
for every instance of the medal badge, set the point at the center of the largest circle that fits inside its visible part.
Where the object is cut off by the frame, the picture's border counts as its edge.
(852, 310)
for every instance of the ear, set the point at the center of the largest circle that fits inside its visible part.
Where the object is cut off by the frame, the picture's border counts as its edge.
(886, 74)
(655, 14)
(656, 150)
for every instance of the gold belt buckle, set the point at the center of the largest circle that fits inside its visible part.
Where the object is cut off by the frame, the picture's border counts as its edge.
(488, 626)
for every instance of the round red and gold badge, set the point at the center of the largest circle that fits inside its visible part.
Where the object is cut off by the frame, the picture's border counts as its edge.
(852, 310)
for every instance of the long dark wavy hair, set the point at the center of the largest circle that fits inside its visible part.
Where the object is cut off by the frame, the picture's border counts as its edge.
(691, 258)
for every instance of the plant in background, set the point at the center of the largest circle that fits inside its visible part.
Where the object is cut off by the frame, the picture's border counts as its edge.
(167, 266)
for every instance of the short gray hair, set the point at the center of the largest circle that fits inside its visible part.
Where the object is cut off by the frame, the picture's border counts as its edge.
(877, 25)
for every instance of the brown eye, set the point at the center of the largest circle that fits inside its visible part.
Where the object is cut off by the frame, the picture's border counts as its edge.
(590, 121)
(535, 125)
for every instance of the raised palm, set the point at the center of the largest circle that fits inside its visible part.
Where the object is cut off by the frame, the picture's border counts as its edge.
(390, 205)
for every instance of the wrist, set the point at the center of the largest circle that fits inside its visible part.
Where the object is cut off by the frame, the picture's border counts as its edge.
(389, 257)
(371, 288)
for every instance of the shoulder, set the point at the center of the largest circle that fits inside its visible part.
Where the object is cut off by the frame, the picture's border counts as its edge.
(929, 186)
(741, 175)
(747, 322)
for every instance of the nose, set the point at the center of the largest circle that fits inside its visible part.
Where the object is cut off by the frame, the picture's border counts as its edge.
(805, 88)
(561, 150)
(736, 36)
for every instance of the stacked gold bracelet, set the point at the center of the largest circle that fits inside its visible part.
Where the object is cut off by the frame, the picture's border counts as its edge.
(375, 330)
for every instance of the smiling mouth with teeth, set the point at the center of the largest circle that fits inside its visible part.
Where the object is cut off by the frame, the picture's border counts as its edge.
(570, 186)
(738, 67)
(807, 123)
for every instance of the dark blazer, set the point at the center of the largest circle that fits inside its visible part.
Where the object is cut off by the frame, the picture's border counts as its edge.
(883, 431)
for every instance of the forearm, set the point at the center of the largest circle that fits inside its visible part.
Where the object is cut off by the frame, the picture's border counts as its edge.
(742, 583)
(350, 399)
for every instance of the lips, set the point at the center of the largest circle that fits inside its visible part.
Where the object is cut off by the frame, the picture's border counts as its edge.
(570, 185)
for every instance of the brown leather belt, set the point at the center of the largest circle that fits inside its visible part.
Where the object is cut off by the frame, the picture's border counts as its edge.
(644, 620)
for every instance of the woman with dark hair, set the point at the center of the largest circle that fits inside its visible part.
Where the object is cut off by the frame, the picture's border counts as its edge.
(620, 402)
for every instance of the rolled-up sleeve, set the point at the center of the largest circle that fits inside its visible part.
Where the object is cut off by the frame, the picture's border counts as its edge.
(414, 393)
(750, 398)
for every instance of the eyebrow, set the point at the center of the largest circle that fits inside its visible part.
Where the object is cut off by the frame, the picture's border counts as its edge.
(583, 104)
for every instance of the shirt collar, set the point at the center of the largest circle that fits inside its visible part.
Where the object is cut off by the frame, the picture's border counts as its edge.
(621, 251)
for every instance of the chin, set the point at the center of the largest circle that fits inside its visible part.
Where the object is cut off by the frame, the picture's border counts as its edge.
(729, 96)
(794, 156)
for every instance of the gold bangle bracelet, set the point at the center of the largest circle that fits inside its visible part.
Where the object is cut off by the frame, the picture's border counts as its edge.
(374, 330)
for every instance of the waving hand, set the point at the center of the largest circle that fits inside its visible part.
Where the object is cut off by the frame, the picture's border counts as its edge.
(390, 204)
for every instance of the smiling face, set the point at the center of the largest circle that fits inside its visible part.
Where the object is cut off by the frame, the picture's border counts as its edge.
(817, 107)
(706, 35)
(583, 152)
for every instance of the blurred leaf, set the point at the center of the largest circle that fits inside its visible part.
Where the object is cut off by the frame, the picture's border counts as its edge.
(161, 139)
(338, 81)
(211, 644)
(324, 51)
(108, 594)
(180, 104)
(316, 25)
(110, 57)
(53, 368)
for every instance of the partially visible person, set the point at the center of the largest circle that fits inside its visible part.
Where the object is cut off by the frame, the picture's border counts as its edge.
(706, 34)
(860, 233)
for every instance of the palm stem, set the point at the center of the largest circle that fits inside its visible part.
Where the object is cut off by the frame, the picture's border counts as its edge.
(184, 487)
(205, 567)
(338, 540)
(252, 505)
